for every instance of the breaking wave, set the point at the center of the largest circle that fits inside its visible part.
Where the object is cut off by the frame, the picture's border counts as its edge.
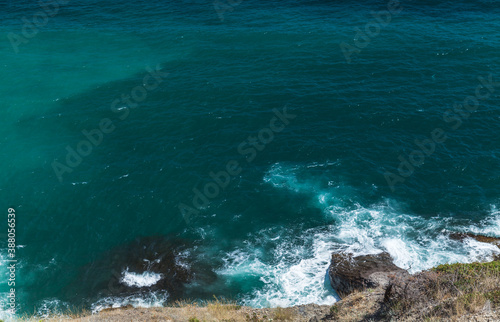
(293, 272)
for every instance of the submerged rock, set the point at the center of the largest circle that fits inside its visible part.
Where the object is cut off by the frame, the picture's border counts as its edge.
(149, 267)
(147, 256)
(348, 273)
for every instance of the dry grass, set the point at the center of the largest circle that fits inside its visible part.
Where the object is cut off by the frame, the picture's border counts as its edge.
(447, 291)
(71, 314)
(283, 314)
(358, 306)
(457, 292)
(224, 309)
(215, 310)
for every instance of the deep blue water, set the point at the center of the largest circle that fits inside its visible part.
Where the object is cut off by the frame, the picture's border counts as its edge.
(309, 127)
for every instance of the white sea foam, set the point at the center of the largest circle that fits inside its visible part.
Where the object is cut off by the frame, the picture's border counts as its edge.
(150, 299)
(292, 266)
(415, 243)
(51, 307)
(5, 314)
(75, 183)
(143, 299)
(490, 226)
(295, 274)
(139, 280)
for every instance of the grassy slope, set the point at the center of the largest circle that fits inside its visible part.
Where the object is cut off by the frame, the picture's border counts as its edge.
(447, 292)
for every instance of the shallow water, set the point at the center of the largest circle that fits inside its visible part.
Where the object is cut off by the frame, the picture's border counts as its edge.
(318, 183)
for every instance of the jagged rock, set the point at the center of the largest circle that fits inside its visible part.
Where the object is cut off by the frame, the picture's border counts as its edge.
(348, 273)
(479, 238)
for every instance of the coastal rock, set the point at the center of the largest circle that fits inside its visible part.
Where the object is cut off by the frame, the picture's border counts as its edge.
(157, 265)
(348, 273)
(479, 238)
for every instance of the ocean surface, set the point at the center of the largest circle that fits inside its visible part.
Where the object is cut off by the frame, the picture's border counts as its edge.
(162, 150)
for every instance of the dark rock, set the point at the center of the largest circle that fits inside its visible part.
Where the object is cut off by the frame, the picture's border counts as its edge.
(168, 257)
(479, 238)
(348, 273)
(387, 293)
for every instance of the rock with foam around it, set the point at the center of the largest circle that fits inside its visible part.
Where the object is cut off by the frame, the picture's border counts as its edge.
(350, 273)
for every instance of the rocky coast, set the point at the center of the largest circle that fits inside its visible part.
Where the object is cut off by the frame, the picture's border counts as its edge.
(371, 288)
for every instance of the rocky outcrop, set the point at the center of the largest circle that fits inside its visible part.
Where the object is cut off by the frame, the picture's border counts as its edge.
(479, 238)
(348, 273)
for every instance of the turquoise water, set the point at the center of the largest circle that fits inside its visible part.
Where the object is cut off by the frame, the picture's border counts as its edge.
(118, 225)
